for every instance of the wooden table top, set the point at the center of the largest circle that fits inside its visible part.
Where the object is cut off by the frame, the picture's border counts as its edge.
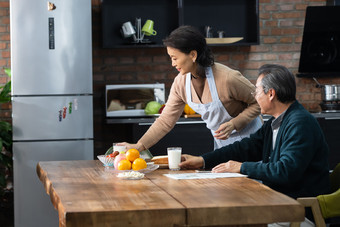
(87, 194)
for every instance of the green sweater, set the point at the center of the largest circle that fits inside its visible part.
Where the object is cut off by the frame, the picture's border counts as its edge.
(298, 165)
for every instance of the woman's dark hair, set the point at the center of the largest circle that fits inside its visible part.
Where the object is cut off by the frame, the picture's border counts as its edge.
(187, 38)
(280, 79)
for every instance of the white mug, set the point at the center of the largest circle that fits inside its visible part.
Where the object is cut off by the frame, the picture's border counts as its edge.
(174, 157)
(127, 29)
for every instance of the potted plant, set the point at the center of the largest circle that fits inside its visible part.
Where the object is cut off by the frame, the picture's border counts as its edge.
(6, 162)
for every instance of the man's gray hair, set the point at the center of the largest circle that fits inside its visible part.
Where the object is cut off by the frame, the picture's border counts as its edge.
(280, 79)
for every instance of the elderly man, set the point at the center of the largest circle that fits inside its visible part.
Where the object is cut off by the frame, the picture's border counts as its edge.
(288, 153)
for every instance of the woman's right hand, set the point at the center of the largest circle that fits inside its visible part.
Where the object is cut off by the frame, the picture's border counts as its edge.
(224, 131)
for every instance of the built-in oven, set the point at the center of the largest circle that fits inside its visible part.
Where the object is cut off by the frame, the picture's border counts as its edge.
(130, 100)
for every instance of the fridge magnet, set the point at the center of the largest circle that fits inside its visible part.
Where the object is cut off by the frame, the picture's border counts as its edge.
(75, 101)
(60, 115)
(51, 6)
(64, 112)
(70, 107)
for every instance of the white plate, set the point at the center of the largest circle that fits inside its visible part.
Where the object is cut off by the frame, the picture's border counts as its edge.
(149, 168)
(130, 175)
(130, 178)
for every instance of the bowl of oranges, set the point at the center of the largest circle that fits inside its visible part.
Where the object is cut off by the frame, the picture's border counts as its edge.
(131, 161)
(126, 161)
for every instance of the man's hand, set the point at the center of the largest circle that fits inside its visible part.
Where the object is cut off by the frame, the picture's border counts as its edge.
(224, 131)
(191, 162)
(230, 167)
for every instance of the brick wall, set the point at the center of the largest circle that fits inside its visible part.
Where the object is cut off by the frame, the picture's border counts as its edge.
(5, 108)
(281, 28)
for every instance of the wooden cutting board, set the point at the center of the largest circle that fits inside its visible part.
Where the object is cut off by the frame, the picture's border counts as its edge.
(191, 115)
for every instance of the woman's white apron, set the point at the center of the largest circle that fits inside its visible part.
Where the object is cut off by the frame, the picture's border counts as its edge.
(214, 113)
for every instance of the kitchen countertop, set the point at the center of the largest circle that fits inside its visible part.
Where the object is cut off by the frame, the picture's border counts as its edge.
(198, 120)
(326, 115)
(148, 120)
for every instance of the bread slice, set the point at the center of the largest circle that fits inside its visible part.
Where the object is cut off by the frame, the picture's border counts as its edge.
(161, 159)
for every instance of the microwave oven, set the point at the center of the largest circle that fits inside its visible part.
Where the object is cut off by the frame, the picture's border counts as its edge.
(129, 100)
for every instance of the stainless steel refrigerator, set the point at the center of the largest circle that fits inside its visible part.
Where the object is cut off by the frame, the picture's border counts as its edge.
(51, 61)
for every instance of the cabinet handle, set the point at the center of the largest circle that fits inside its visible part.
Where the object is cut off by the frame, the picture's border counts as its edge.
(178, 123)
(189, 122)
(332, 118)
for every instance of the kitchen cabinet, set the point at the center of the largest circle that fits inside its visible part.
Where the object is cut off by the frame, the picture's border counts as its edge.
(189, 133)
(238, 19)
(192, 136)
(331, 129)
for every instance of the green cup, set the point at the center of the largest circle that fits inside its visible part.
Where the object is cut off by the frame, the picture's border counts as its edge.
(148, 28)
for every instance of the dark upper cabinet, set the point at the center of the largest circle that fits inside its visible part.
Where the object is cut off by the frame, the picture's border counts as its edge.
(238, 19)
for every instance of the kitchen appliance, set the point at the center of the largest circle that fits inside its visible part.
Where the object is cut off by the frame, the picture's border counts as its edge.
(330, 92)
(330, 106)
(52, 101)
(320, 49)
(129, 100)
(330, 95)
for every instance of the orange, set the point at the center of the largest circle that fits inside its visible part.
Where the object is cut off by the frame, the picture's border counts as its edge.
(132, 154)
(138, 164)
(124, 165)
(188, 110)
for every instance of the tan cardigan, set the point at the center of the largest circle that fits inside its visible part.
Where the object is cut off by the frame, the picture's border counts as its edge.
(233, 89)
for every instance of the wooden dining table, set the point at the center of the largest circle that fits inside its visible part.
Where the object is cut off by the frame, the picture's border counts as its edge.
(87, 194)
